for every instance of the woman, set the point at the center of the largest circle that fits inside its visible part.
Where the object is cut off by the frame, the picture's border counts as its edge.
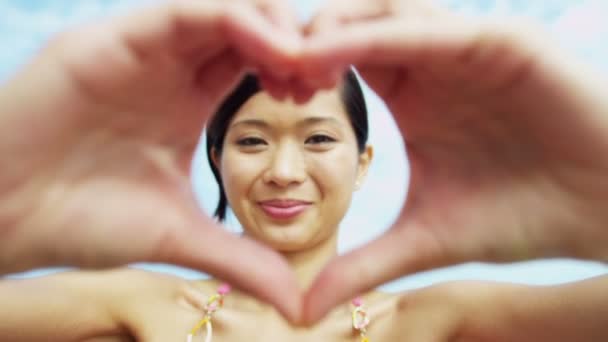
(288, 173)
(258, 163)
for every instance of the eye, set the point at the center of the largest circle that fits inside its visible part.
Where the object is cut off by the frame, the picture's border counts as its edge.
(251, 141)
(319, 139)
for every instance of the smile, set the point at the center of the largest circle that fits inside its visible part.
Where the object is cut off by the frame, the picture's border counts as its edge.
(283, 209)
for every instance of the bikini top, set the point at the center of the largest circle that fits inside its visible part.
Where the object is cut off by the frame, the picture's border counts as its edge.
(360, 317)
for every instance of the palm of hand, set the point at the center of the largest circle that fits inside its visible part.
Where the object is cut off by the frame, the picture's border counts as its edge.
(486, 168)
(127, 157)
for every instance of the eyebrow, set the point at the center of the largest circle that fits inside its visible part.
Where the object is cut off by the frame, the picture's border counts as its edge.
(312, 120)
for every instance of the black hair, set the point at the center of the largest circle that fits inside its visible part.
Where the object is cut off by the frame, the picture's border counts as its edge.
(352, 98)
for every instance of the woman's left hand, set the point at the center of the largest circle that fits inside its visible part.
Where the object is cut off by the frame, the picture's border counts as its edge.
(505, 133)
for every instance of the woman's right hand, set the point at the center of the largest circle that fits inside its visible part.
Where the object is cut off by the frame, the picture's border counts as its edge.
(98, 132)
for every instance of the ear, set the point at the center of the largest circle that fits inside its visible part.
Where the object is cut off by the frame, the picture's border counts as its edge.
(215, 158)
(365, 160)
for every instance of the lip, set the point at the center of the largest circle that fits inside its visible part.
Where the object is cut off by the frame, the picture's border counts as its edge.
(282, 209)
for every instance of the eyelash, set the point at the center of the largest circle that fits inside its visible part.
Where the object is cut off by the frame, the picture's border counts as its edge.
(316, 139)
(325, 139)
(251, 141)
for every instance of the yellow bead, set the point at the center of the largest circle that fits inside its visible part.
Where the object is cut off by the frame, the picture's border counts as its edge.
(365, 339)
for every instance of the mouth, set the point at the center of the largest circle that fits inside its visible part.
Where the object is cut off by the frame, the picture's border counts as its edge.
(283, 209)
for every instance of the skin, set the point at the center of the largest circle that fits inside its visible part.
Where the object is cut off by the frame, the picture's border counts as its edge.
(484, 150)
(113, 123)
(503, 131)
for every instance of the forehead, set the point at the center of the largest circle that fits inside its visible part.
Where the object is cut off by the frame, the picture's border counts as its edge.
(324, 105)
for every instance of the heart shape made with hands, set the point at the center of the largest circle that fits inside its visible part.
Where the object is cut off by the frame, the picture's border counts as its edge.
(125, 118)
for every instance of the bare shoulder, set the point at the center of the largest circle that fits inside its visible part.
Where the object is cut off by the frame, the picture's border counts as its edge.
(382, 308)
(381, 304)
(207, 286)
(236, 301)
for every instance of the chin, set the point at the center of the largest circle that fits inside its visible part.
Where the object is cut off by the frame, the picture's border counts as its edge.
(283, 240)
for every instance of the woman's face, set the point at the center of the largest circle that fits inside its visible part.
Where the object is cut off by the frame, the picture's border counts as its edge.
(289, 171)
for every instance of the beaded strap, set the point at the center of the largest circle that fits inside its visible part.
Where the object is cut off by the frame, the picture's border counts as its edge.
(360, 319)
(214, 303)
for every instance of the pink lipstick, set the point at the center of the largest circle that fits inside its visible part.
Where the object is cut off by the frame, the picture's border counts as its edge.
(282, 209)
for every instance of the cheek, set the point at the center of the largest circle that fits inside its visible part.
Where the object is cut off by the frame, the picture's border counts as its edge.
(238, 175)
(335, 175)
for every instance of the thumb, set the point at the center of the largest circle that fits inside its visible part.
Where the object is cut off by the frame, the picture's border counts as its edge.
(402, 250)
(239, 261)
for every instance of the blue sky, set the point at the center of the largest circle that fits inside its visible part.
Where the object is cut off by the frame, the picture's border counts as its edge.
(579, 25)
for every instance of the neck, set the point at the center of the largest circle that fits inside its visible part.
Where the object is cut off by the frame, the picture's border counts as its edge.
(308, 263)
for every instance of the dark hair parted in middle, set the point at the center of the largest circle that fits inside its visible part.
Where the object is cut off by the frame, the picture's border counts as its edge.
(350, 93)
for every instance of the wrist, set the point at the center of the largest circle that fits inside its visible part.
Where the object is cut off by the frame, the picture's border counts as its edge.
(22, 242)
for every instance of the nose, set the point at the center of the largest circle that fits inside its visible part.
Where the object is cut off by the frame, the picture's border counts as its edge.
(286, 166)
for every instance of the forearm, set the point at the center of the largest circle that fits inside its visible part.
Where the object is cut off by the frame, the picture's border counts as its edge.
(569, 312)
(63, 307)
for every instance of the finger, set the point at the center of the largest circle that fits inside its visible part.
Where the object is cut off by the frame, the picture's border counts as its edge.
(274, 50)
(274, 87)
(300, 92)
(327, 79)
(401, 251)
(344, 12)
(217, 77)
(391, 41)
(282, 13)
(239, 261)
(202, 28)
(340, 12)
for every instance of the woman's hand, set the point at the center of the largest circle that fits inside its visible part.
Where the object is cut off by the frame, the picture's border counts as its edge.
(506, 138)
(97, 135)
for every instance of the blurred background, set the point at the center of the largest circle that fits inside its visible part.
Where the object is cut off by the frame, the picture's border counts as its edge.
(579, 25)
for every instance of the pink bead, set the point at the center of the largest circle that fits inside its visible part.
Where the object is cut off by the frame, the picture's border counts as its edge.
(358, 301)
(211, 308)
(224, 289)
